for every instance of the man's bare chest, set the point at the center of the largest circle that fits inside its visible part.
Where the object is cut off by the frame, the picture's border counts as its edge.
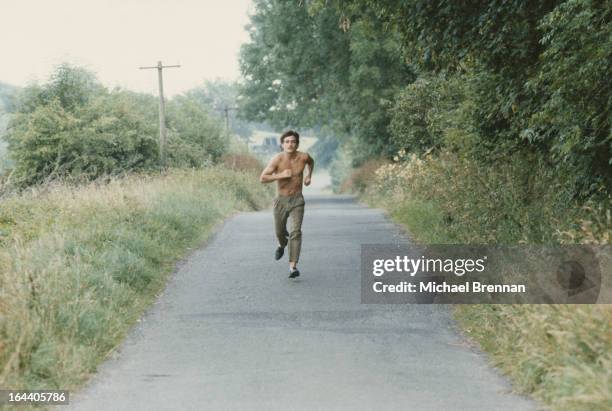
(295, 165)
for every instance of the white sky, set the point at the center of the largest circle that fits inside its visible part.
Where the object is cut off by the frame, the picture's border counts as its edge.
(115, 37)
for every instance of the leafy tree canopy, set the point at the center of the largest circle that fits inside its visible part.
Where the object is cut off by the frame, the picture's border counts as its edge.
(302, 68)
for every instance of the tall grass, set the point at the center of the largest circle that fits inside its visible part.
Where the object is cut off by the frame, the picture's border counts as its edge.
(78, 265)
(562, 354)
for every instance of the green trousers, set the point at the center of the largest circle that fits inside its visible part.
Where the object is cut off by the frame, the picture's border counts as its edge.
(285, 207)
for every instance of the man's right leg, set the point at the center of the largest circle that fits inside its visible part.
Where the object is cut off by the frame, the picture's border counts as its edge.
(280, 226)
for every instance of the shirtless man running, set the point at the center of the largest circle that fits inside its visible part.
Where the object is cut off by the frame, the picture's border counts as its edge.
(287, 169)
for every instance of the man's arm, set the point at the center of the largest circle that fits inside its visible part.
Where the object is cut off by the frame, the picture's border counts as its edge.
(308, 175)
(267, 175)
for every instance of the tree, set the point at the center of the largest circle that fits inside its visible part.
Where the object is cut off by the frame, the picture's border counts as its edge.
(303, 69)
(574, 119)
(538, 73)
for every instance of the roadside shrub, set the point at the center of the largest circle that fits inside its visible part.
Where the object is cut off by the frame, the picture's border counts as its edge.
(74, 127)
(362, 177)
(242, 162)
(519, 200)
(194, 138)
(423, 112)
(104, 137)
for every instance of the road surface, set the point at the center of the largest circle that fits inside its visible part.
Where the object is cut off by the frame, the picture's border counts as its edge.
(231, 331)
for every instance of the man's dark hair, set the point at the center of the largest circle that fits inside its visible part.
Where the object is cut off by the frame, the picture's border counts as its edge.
(290, 133)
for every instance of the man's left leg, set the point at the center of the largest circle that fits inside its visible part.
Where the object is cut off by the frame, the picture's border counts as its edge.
(295, 236)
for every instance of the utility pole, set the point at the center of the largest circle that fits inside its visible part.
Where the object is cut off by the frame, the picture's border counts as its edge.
(226, 109)
(162, 112)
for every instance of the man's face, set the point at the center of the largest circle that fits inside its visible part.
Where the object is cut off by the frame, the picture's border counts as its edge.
(290, 144)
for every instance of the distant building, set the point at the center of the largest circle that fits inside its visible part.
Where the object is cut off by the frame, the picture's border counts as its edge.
(269, 145)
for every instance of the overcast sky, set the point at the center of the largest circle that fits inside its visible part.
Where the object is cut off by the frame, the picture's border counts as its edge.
(115, 37)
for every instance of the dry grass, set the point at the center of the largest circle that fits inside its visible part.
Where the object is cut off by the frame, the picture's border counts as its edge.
(562, 354)
(79, 264)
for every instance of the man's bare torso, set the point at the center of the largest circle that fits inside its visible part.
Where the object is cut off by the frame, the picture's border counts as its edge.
(296, 163)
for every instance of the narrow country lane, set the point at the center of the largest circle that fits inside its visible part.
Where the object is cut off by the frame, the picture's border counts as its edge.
(231, 331)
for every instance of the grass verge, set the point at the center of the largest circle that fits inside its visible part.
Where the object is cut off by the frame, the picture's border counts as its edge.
(79, 265)
(560, 354)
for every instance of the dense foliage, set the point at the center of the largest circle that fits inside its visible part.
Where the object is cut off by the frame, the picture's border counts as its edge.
(425, 112)
(303, 69)
(538, 74)
(72, 126)
(497, 79)
(194, 138)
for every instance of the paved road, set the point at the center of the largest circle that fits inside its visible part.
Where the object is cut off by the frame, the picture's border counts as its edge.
(231, 331)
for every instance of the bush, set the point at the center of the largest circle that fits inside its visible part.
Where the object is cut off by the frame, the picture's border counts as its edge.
(362, 177)
(74, 127)
(107, 136)
(519, 200)
(194, 137)
(423, 112)
(242, 162)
